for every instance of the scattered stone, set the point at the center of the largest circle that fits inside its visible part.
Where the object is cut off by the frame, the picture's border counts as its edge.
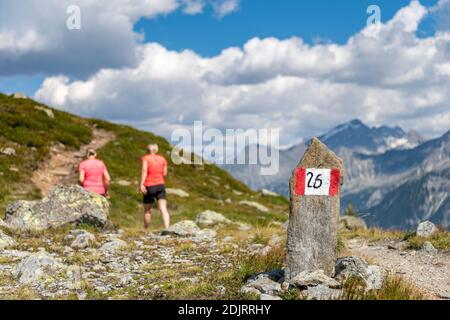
(322, 292)
(206, 235)
(238, 193)
(211, 218)
(183, 229)
(255, 205)
(262, 284)
(113, 246)
(352, 223)
(426, 229)
(13, 169)
(313, 227)
(8, 152)
(348, 267)
(65, 205)
(177, 192)
(269, 193)
(47, 111)
(428, 248)
(6, 241)
(268, 297)
(83, 240)
(311, 279)
(229, 201)
(73, 275)
(37, 268)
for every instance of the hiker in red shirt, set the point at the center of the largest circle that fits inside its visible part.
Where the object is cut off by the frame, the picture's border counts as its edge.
(93, 174)
(154, 169)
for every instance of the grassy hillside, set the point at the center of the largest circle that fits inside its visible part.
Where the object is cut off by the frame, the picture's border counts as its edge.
(31, 132)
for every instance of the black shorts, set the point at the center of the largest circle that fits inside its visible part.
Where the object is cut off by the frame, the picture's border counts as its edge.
(155, 192)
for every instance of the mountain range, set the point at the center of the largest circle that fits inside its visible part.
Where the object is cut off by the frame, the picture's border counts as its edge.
(395, 179)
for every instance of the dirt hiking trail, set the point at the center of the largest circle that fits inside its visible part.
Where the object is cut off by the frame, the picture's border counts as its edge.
(62, 167)
(427, 272)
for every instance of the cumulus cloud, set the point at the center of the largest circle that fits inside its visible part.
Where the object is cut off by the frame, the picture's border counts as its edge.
(384, 74)
(34, 37)
(224, 7)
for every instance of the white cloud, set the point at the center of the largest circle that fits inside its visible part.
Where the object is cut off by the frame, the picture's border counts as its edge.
(34, 37)
(383, 75)
(193, 6)
(224, 7)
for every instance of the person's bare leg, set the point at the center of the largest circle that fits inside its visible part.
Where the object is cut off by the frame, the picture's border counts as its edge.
(147, 216)
(162, 204)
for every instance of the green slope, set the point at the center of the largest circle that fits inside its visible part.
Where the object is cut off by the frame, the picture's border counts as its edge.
(31, 133)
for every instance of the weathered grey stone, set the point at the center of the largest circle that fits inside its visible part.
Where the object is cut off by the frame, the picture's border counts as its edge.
(113, 246)
(6, 241)
(313, 220)
(47, 111)
(352, 223)
(206, 235)
(311, 279)
(177, 192)
(63, 206)
(263, 284)
(37, 268)
(255, 205)
(211, 218)
(355, 267)
(322, 292)
(426, 229)
(8, 151)
(428, 248)
(183, 229)
(83, 240)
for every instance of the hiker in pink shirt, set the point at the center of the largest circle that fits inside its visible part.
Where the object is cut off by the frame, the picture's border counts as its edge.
(93, 174)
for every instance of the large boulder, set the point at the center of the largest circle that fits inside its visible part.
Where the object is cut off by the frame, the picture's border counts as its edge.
(426, 229)
(63, 206)
(352, 223)
(211, 218)
(183, 229)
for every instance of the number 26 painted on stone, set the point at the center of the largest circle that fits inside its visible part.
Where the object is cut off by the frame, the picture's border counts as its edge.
(317, 182)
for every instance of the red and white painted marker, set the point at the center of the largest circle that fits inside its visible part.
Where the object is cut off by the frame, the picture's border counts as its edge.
(317, 182)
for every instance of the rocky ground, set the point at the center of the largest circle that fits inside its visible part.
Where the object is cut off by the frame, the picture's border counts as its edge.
(427, 269)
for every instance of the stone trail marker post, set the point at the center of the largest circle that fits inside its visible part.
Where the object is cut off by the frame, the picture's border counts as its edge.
(314, 211)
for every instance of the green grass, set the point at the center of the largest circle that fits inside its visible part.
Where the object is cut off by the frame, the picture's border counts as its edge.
(31, 133)
(440, 240)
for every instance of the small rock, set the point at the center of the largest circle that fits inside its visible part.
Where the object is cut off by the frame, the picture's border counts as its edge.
(183, 229)
(268, 297)
(374, 278)
(426, 229)
(74, 277)
(244, 226)
(311, 279)
(124, 183)
(47, 111)
(177, 192)
(8, 152)
(6, 241)
(269, 193)
(255, 205)
(36, 268)
(113, 246)
(348, 267)
(83, 241)
(322, 292)
(428, 248)
(262, 284)
(211, 218)
(206, 235)
(20, 95)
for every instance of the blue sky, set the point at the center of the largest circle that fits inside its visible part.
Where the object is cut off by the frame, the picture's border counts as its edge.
(330, 20)
(283, 64)
(313, 21)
